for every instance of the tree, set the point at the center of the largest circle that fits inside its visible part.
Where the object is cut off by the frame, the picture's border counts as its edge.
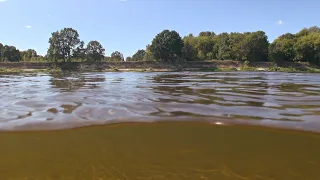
(204, 46)
(116, 56)
(148, 56)
(129, 58)
(308, 48)
(207, 33)
(190, 48)
(139, 55)
(10, 53)
(255, 46)
(29, 55)
(282, 49)
(95, 51)
(63, 44)
(80, 51)
(167, 46)
(222, 46)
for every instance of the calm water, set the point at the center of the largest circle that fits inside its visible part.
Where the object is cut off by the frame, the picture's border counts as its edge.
(198, 131)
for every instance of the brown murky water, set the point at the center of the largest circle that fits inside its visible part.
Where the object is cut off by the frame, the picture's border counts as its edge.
(199, 126)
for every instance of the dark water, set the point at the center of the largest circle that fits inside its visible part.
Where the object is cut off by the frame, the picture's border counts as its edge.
(199, 126)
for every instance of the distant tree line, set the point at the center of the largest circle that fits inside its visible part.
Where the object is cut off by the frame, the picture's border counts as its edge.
(169, 47)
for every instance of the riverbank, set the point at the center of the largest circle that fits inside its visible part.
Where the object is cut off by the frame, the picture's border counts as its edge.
(152, 66)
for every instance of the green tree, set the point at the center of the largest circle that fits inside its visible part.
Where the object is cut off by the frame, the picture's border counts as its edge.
(128, 58)
(308, 48)
(116, 56)
(256, 46)
(80, 52)
(207, 33)
(29, 55)
(167, 46)
(95, 51)
(204, 47)
(139, 55)
(10, 53)
(190, 48)
(63, 44)
(148, 56)
(282, 49)
(222, 46)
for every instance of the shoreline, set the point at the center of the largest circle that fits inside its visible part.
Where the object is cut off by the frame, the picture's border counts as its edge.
(247, 69)
(153, 66)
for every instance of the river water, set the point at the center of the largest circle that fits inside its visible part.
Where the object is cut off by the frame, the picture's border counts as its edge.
(185, 125)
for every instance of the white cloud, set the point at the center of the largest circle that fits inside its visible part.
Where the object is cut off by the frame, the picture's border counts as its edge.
(28, 26)
(48, 14)
(280, 22)
(123, 0)
(3, 0)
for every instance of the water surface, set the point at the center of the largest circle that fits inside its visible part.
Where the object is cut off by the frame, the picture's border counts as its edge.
(67, 100)
(198, 126)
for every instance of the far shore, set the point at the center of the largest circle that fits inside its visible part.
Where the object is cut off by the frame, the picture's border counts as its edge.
(152, 66)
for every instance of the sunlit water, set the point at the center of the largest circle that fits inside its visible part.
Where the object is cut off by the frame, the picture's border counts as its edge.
(69, 100)
(199, 126)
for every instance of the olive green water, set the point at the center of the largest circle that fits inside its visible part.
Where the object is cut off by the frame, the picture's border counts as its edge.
(160, 126)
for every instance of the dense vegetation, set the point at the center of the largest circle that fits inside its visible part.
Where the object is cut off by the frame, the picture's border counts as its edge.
(169, 47)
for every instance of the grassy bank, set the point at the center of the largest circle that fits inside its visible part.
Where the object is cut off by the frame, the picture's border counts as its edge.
(152, 66)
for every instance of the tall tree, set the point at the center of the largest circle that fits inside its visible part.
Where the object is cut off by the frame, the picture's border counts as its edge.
(190, 48)
(139, 55)
(116, 56)
(148, 56)
(204, 47)
(10, 53)
(222, 46)
(63, 44)
(308, 48)
(29, 55)
(167, 46)
(256, 46)
(282, 49)
(128, 58)
(95, 51)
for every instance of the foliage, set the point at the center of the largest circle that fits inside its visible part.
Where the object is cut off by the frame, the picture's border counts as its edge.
(167, 46)
(63, 44)
(116, 56)
(29, 55)
(10, 53)
(139, 55)
(303, 46)
(128, 58)
(95, 51)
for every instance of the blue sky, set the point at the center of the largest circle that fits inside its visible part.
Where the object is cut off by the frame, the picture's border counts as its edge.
(129, 25)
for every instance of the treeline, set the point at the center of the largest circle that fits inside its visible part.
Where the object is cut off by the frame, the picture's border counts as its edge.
(168, 46)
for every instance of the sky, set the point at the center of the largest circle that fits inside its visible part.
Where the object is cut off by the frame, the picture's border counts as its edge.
(129, 25)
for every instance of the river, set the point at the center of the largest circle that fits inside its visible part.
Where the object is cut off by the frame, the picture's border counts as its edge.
(183, 125)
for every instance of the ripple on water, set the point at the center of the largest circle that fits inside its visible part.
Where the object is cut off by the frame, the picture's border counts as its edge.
(67, 100)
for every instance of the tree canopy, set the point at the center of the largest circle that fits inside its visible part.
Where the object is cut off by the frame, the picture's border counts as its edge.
(167, 46)
(116, 56)
(139, 55)
(63, 44)
(95, 51)
(303, 46)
